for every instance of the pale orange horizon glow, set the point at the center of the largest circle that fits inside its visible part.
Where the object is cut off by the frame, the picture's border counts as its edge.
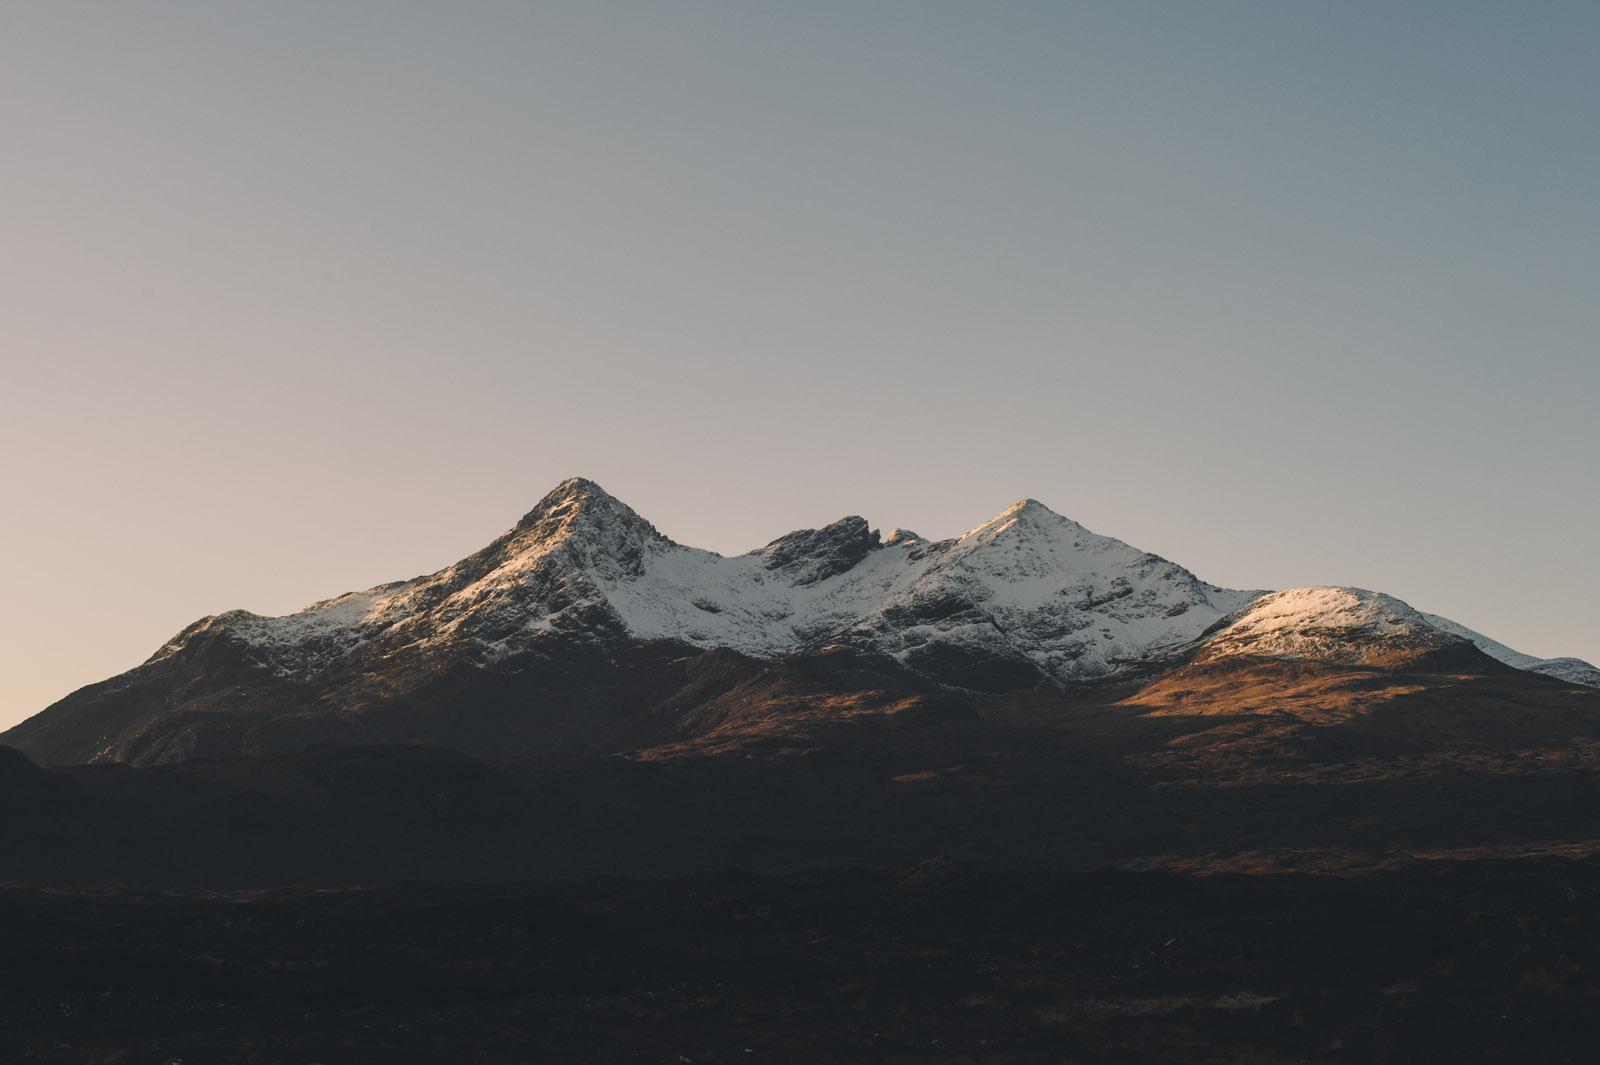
(297, 300)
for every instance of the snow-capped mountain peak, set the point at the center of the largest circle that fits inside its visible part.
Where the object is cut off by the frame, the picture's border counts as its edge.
(1022, 518)
(1027, 594)
(576, 500)
(562, 608)
(1328, 624)
(587, 518)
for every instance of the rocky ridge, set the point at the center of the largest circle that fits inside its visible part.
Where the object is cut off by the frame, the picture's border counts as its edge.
(584, 605)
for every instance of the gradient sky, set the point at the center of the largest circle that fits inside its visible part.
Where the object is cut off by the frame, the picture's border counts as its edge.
(300, 297)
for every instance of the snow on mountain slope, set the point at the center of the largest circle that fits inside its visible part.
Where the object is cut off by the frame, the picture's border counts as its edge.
(1571, 670)
(1025, 594)
(1074, 604)
(1028, 587)
(1355, 626)
(1344, 625)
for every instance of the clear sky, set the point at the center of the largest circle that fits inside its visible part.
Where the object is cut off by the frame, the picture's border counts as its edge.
(298, 297)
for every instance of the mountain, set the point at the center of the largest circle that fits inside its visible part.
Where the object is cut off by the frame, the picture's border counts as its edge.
(1570, 670)
(585, 630)
(1028, 794)
(1330, 625)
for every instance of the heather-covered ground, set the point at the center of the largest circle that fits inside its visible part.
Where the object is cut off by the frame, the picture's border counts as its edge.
(932, 962)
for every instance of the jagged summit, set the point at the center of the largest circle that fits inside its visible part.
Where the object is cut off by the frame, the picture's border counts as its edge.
(812, 555)
(1029, 593)
(1022, 517)
(578, 505)
(574, 493)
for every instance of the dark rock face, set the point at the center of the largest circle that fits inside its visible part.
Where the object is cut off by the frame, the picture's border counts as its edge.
(812, 555)
(960, 666)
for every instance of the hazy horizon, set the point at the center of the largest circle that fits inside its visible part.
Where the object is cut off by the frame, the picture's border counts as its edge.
(298, 300)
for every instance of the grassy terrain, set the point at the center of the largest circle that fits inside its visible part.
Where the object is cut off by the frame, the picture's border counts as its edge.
(1481, 961)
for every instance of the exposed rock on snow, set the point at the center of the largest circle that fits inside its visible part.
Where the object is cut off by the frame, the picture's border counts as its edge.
(1029, 589)
(581, 626)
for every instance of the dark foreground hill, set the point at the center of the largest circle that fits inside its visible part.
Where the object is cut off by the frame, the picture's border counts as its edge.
(827, 762)
(1241, 860)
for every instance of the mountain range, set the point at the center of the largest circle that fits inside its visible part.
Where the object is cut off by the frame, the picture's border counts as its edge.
(1025, 795)
(584, 630)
